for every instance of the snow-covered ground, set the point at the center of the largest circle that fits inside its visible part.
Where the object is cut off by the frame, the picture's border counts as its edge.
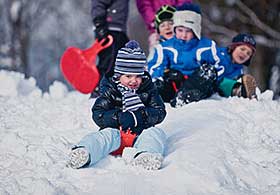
(217, 146)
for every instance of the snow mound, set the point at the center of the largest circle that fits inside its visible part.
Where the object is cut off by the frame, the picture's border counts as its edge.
(217, 146)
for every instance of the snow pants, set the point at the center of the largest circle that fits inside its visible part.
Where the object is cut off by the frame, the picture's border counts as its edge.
(226, 86)
(102, 143)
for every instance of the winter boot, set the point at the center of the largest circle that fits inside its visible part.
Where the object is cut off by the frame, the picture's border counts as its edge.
(147, 160)
(236, 91)
(249, 86)
(79, 158)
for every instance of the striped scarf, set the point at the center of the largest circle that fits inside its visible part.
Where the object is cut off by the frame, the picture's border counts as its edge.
(130, 99)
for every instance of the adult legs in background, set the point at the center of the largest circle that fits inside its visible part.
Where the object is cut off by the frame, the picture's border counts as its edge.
(108, 55)
(106, 58)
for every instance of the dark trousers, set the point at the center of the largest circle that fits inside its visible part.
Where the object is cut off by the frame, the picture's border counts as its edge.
(107, 56)
(198, 86)
(194, 88)
(168, 91)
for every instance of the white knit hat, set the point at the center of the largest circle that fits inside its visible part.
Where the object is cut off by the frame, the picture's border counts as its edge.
(189, 17)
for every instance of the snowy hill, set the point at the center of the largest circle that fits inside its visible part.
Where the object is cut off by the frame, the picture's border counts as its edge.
(217, 146)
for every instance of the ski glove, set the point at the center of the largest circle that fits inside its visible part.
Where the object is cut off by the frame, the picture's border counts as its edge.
(126, 120)
(101, 28)
(159, 84)
(174, 75)
(208, 72)
(131, 120)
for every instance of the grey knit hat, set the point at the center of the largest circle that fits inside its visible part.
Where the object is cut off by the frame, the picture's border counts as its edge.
(130, 59)
(188, 15)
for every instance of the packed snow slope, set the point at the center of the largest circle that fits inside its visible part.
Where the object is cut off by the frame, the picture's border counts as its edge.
(219, 146)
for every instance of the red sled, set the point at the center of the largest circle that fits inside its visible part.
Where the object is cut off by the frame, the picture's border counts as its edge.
(127, 140)
(79, 66)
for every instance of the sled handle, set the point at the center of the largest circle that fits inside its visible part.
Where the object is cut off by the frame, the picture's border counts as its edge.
(91, 53)
(100, 46)
(97, 46)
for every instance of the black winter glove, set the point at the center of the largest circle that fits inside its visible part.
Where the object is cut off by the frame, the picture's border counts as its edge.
(126, 120)
(208, 72)
(186, 97)
(139, 115)
(101, 28)
(159, 84)
(174, 75)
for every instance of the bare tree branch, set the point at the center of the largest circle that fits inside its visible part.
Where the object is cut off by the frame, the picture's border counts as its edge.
(261, 39)
(267, 29)
(218, 28)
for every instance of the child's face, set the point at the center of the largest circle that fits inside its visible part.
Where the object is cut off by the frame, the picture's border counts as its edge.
(131, 81)
(184, 33)
(241, 54)
(165, 29)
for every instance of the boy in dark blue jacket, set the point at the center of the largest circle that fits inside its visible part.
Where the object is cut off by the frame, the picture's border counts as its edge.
(128, 101)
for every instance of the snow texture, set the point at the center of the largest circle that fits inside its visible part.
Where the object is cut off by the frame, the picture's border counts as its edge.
(219, 146)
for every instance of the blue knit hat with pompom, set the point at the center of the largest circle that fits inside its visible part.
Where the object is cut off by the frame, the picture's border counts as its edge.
(130, 59)
(244, 39)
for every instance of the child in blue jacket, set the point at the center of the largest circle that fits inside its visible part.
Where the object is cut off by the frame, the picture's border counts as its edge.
(232, 80)
(164, 28)
(185, 61)
(128, 101)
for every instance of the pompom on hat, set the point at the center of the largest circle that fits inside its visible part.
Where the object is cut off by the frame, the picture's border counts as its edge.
(188, 15)
(130, 60)
(243, 39)
(164, 13)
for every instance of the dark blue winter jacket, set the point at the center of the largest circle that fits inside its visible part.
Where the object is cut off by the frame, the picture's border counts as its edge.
(228, 69)
(107, 107)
